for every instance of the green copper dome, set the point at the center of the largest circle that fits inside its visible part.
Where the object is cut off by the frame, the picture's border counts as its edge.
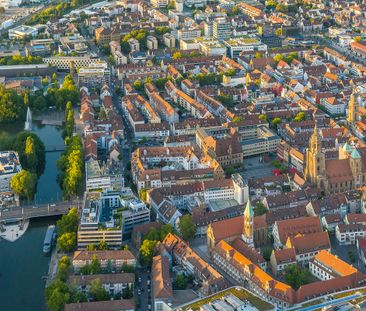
(347, 147)
(355, 154)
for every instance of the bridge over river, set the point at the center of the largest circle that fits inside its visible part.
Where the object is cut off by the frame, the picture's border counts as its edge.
(12, 214)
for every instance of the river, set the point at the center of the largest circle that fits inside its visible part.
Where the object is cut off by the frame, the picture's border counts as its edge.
(22, 263)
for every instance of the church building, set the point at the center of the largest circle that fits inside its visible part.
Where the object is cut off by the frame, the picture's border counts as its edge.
(253, 231)
(334, 175)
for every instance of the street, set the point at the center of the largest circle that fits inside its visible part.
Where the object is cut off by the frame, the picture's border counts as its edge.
(143, 289)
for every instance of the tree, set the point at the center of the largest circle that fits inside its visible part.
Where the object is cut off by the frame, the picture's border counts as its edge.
(147, 251)
(276, 121)
(103, 245)
(357, 39)
(153, 235)
(67, 242)
(230, 170)
(31, 152)
(97, 291)
(165, 230)
(237, 119)
(91, 247)
(259, 209)
(12, 107)
(227, 100)
(277, 58)
(95, 266)
(125, 47)
(57, 294)
(281, 8)
(69, 222)
(351, 256)
(300, 116)
(258, 55)
(180, 282)
(177, 55)
(24, 184)
(297, 276)
(138, 85)
(143, 194)
(278, 32)
(187, 227)
(267, 253)
(71, 166)
(26, 99)
(262, 117)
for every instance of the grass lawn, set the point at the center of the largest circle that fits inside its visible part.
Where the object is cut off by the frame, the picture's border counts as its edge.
(238, 292)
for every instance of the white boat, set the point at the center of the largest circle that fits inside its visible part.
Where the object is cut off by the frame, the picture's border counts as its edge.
(49, 239)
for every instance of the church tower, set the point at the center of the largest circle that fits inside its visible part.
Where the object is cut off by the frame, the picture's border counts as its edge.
(356, 166)
(315, 158)
(352, 113)
(247, 234)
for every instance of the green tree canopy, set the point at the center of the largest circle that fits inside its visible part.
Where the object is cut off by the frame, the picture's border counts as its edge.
(57, 294)
(187, 227)
(31, 151)
(69, 222)
(147, 251)
(24, 184)
(12, 107)
(97, 291)
(180, 282)
(297, 276)
(67, 242)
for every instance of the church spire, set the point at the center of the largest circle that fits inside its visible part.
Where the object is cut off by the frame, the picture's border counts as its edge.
(315, 139)
(247, 234)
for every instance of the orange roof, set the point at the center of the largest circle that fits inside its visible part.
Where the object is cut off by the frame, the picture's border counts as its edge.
(334, 263)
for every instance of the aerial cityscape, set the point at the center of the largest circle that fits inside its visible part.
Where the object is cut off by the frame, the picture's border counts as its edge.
(182, 155)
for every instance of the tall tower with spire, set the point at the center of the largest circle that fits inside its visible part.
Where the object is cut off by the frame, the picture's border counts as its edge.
(315, 158)
(352, 113)
(247, 234)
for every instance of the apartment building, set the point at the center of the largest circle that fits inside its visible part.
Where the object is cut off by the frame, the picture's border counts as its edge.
(94, 75)
(284, 229)
(187, 196)
(211, 280)
(113, 283)
(115, 258)
(65, 62)
(221, 29)
(348, 234)
(161, 289)
(103, 176)
(165, 110)
(326, 266)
